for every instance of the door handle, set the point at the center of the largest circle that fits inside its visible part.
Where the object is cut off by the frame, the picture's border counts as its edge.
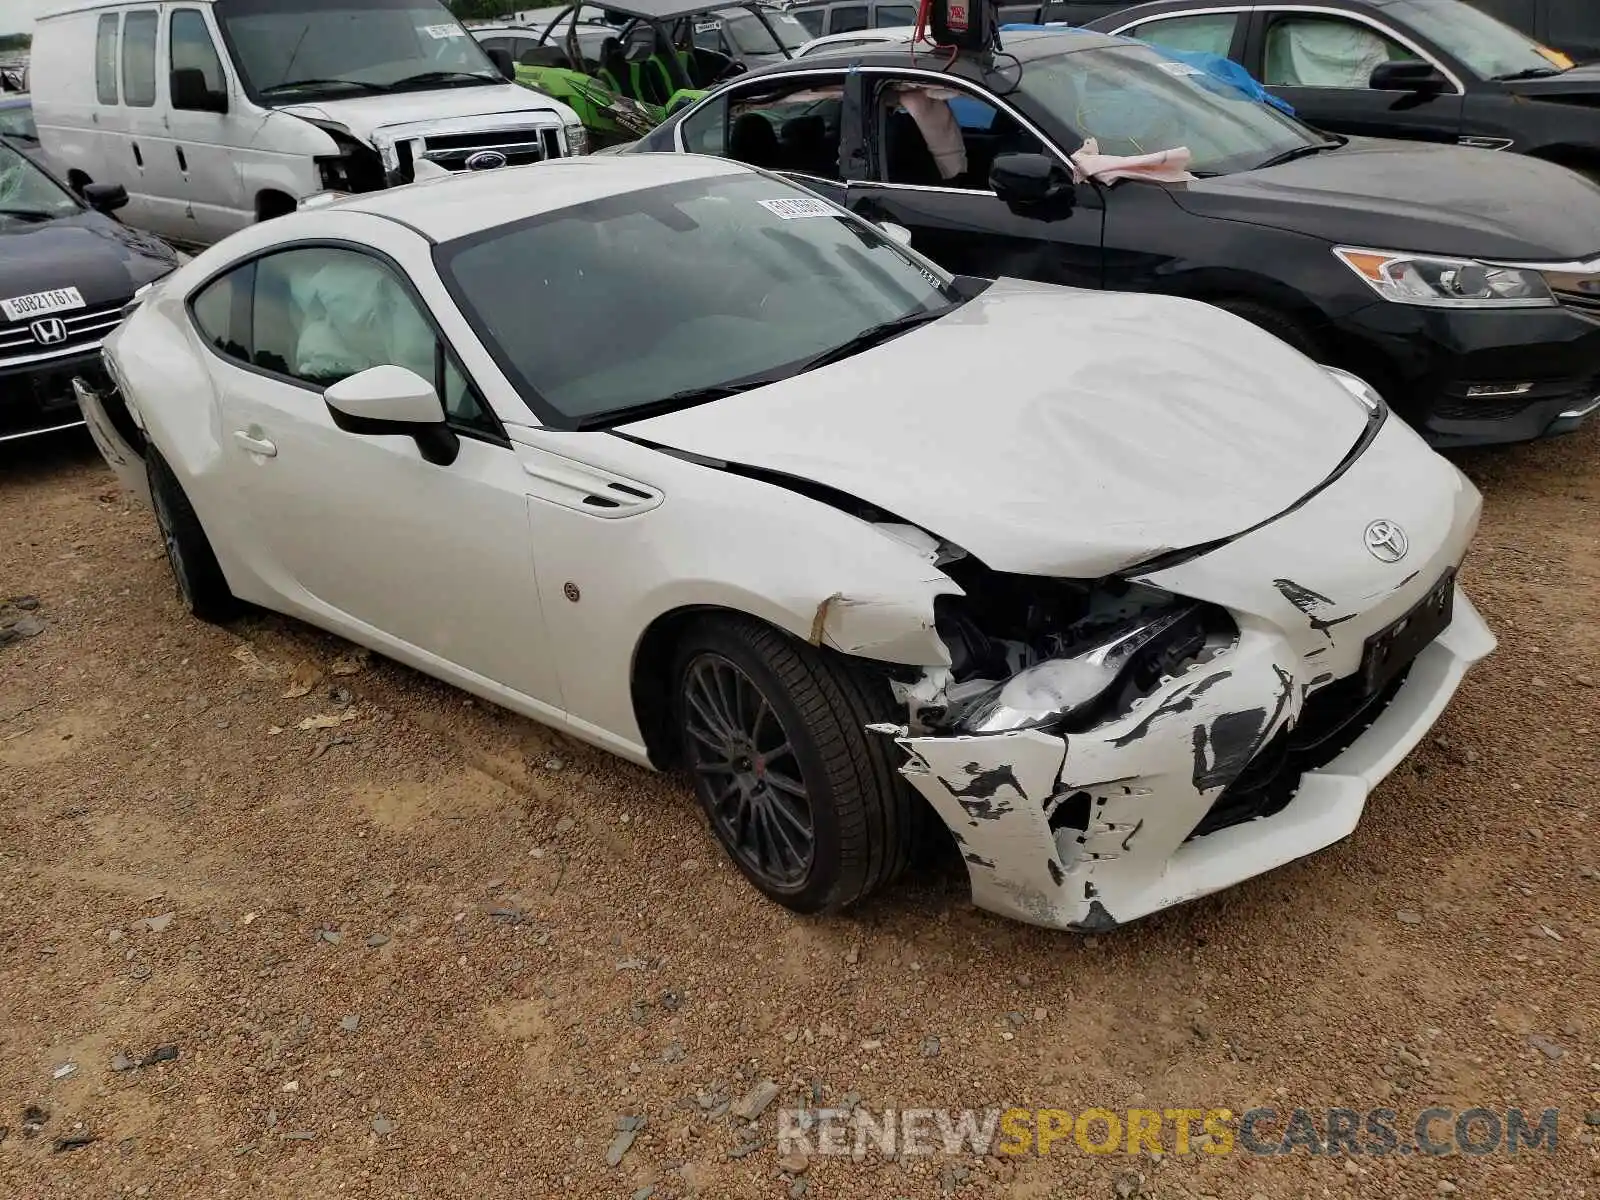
(256, 445)
(137, 157)
(183, 163)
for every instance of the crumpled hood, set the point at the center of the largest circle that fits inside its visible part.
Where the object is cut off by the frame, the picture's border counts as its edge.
(363, 116)
(1439, 199)
(1051, 431)
(104, 260)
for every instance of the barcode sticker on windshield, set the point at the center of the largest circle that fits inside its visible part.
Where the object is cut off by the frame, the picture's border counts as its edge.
(440, 32)
(791, 210)
(1178, 68)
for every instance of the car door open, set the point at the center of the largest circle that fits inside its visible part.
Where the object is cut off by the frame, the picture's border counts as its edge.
(933, 148)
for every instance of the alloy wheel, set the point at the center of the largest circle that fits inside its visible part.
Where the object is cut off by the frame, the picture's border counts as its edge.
(746, 771)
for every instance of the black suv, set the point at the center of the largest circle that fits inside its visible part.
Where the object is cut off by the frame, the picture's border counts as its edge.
(1433, 70)
(1464, 285)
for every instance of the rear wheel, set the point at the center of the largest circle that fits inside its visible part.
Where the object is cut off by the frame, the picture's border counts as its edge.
(806, 802)
(201, 585)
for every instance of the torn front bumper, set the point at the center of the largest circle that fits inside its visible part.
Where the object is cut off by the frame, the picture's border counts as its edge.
(1090, 830)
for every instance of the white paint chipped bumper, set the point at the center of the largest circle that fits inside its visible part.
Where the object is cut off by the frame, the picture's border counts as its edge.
(1145, 781)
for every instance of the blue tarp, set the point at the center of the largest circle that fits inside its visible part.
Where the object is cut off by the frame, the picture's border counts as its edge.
(1219, 68)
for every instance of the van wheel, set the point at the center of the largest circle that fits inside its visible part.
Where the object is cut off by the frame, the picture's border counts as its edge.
(274, 204)
(1276, 322)
(201, 584)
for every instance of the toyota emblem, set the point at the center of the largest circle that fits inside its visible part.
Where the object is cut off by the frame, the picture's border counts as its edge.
(1386, 541)
(49, 331)
(486, 160)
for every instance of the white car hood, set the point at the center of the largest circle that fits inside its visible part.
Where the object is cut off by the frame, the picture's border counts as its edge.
(363, 116)
(1051, 431)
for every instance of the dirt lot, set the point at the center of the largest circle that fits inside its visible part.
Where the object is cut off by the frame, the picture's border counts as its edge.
(435, 950)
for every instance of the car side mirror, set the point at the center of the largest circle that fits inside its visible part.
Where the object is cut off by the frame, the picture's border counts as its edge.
(897, 234)
(191, 94)
(105, 197)
(1031, 180)
(395, 401)
(1408, 75)
(501, 58)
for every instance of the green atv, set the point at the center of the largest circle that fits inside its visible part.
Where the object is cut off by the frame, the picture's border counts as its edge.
(625, 74)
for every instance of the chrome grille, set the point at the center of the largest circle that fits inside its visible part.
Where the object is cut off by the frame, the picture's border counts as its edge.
(518, 146)
(85, 329)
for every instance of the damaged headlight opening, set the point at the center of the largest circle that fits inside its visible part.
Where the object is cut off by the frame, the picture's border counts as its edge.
(1436, 282)
(1061, 655)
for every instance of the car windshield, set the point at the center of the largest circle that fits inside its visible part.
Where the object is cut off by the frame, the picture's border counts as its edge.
(1132, 100)
(1489, 47)
(746, 31)
(294, 50)
(662, 298)
(28, 194)
(16, 120)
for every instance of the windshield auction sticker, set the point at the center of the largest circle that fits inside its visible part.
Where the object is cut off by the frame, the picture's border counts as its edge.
(38, 304)
(440, 32)
(792, 210)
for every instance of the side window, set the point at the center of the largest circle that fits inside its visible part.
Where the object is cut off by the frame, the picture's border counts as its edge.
(811, 18)
(847, 18)
(708, 35)
(934, 136)
(795, 130)
(222, 312)
(888, 16)
(139, 59)
(1209, 33)
(706, 131)
(1325, 52)
(322, 314)
(191, 49)
(105, 59)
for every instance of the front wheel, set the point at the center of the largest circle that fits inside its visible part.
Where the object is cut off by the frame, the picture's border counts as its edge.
(1276, 322)
(807, 803)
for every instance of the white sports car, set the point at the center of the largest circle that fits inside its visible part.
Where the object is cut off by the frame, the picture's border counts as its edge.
(677, 458)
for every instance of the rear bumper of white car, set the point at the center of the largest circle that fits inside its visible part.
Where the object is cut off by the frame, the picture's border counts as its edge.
(1055, 832)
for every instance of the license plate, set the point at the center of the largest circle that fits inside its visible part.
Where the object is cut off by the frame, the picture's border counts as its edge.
(1390, 649)
(41, 304)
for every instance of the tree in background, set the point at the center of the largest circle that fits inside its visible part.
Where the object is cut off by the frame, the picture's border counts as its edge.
(480, 10)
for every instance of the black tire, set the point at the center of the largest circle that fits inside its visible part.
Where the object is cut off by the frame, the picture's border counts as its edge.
(1276, 322)
(201, 585)
(863, 817)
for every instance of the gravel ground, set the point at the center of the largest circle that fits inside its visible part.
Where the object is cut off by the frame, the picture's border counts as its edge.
(432, 949)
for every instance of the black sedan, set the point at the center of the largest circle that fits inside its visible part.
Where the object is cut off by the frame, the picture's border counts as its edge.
(66, 271)
(1433, 70)
(1453, 280)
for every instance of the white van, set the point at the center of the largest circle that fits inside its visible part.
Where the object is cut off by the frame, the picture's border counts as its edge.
(218, 113)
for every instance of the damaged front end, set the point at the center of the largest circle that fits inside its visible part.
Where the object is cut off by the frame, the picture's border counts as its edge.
(1100, 751)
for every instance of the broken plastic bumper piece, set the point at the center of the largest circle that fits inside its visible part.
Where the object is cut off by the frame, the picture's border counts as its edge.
(1091, 830)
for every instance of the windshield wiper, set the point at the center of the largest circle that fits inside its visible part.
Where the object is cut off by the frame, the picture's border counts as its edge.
(687, 398)
(1527, 73)
(292, 84)
(31, 214)
(873, 336)
(428, 78)
(1296, 152)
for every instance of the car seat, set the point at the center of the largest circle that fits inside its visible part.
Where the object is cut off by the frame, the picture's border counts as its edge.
(751, 140)
(906, 153)
(808, 148)
(615, 71)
